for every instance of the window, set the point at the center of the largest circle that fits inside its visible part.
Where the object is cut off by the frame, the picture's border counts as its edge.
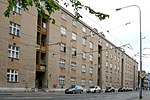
(63, 16)
(110, 46)
(42, 4)
(83, 55)
(91, 57)
(83, 68)
(74, 36)
(115, 58)
(118, 68)
(73, 66)
(118, 59)
(73, 51)
(92, 34)
(111, 56)
(106, 44)
(106, 53)
(106, 64)
(17, 9)
(12, 75)
(110, 74)
(63, 47)
(115, 67)
(44, 21)
(63, 30)
(110, 65)
(106, 73)
(91, 70)
(61, 80)
(13, 51)
(74, 22)
(83, 82)
(91, 45)
(84, 29)
(90, 82)
(73, 81)
(14, 29)
(62, 63)
(83, 41)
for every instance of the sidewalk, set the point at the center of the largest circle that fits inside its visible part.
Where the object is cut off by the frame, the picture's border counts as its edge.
(144, 97)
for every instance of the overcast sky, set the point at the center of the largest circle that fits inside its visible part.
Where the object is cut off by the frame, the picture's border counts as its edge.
(119, 32)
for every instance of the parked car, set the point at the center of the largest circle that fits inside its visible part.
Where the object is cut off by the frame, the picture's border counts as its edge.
(122, 89)
(110, 89)
(74, 89)
(94, 89)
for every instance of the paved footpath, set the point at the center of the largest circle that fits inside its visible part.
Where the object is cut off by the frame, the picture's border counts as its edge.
(145, 97)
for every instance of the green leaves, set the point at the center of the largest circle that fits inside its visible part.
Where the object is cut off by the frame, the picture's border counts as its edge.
(47, 7)
(77, 5)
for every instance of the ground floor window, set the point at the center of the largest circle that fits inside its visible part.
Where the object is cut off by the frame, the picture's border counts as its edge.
(12, 75)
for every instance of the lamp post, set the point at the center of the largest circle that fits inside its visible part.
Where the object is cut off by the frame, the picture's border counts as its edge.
(140, 94)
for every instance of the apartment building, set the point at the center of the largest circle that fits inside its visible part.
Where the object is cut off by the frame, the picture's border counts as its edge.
(35, 53)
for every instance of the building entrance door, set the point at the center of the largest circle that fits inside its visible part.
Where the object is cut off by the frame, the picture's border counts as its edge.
(39, 80)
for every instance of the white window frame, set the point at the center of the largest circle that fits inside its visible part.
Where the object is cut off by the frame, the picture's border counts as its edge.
(83, 68)
(83, 41)
(62, 63)
(118, 68)
(74, 22)
(115, 58)
(14, 29)
(73, 51)
(118, 59)
(63, 30)
(111, 56)
(106, 73)
(106, 63)
(13, 51)
(106, 44)
(73, 81)
(17, 9)
(91, 82)
(111, 74)
(91, 57)
(106, 53)
(115, 67)
(91, 45)
(84, 29)
(61, 80)
(74, 36)
(83, 82)
(73, 65)
(91, 70)
(63, 47)
(111, 65)
(12, 75)
(64, 16)
(83, 55)
(92, 34)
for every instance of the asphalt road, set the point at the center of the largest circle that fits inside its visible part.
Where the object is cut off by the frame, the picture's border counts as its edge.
(62, 96)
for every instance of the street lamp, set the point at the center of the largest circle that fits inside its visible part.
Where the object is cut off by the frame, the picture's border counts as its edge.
(140, 94)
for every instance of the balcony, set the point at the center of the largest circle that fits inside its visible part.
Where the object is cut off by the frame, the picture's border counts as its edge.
(42, 30)
(41, 68)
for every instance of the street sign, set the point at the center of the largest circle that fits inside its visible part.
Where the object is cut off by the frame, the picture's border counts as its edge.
(142, 75)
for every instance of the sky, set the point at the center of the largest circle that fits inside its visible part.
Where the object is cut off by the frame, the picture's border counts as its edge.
(122, 27)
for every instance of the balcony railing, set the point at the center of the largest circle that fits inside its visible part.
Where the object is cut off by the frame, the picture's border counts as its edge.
(41, 68)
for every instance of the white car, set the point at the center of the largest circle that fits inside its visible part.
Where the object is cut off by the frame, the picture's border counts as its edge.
(94, 89)
(74, 89)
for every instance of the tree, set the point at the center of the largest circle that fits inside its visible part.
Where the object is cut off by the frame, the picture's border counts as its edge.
(51, 6)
